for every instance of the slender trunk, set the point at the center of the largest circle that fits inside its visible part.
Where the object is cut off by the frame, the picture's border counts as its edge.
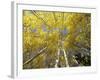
(57, 60)
(66, 58)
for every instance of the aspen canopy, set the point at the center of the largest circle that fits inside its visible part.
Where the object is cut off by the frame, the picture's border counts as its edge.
(56, 39)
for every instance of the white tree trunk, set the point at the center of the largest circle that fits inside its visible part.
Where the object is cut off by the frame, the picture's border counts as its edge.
(66, 59)
(57, 60)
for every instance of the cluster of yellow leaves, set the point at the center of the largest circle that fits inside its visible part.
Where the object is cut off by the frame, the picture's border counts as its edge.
(72, 21)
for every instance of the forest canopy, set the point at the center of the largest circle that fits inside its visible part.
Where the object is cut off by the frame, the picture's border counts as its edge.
(56, 39)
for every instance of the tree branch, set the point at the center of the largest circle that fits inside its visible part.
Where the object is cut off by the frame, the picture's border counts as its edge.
(54, 17)
(62, 19)
(39, 53)
(37, 15)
